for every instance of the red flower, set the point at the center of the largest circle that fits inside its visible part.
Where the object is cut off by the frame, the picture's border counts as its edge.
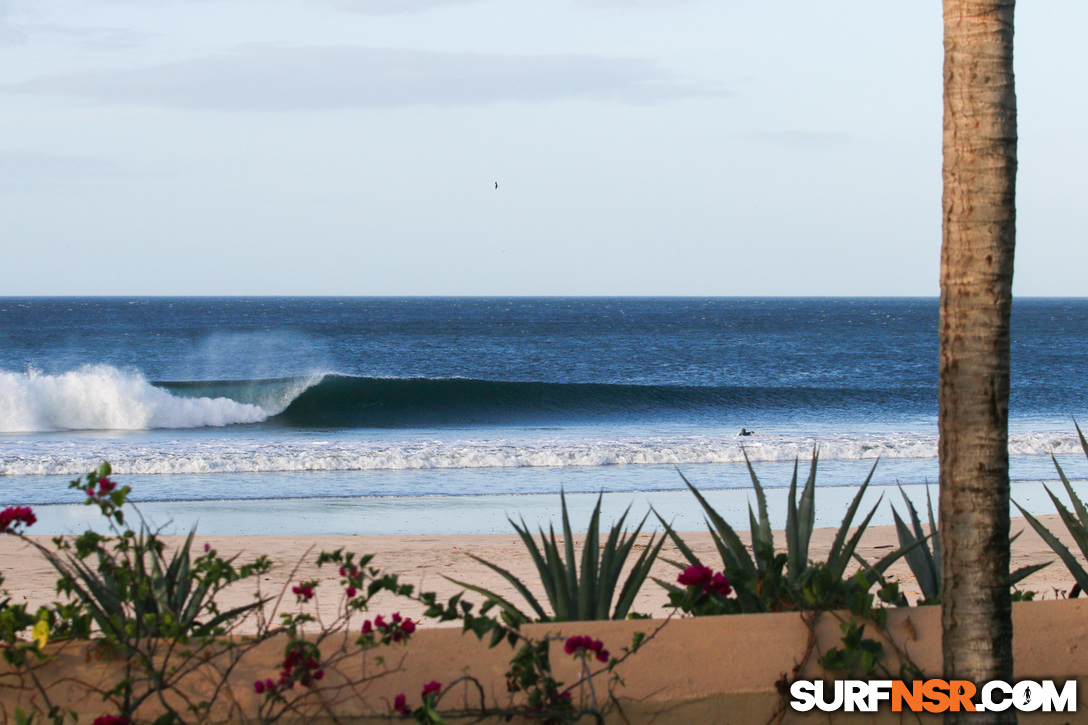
(703, 577)
(433, 686)
(350, 592)
(584, 645)
(696, 576)
(305, 591)
(393, 631)
(105, 485)
(720, 585)
(400, 704)
(266, 686)
(15, 515)
(298, 666)
(111, 720)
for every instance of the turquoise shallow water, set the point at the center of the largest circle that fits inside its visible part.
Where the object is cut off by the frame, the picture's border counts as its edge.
(489, 514)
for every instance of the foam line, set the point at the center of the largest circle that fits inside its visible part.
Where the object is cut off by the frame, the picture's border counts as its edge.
(230, 455)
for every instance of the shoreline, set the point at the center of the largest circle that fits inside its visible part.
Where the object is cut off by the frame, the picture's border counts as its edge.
(424, 561)
(488, 514)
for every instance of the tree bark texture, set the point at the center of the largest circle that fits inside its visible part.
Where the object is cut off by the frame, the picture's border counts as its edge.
(978, 240)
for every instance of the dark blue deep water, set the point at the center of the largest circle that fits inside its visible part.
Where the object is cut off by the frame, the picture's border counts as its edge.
(282, 398)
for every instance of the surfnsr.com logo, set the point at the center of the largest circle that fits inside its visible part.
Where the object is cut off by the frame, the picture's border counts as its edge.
(933, 696)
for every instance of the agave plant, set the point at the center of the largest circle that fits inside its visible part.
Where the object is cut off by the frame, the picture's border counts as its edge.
(924, 559)
(764, 581)
(1077, 526)
(127, 585)
(576, 593)
(923, 551)
(135, 585)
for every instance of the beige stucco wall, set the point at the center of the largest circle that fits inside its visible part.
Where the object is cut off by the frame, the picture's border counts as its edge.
(707, 670)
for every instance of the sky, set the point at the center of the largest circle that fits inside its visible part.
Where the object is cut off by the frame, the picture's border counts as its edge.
(640, 147)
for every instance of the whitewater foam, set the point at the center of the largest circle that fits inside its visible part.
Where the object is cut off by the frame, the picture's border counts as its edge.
(238, 455)
(101, 397)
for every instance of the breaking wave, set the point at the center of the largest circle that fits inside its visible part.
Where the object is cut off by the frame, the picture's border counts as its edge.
(100, 397)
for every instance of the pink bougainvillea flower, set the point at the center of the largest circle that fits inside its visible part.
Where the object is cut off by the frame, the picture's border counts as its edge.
(105, 485)
(400, 704)
(350, 591)
(207, 547)
(263, 686)
(111, 720)
(696, 576)
(720, 585)
(705, 578)
(433, 686)
(12, 516)
(298, 667)
(304, 590)
(395, 630)
(585, 645)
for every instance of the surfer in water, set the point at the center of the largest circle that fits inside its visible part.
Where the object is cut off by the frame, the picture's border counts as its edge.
(744, 432)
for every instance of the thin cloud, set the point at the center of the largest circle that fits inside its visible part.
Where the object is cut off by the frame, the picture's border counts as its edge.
(9, 35)
(90, 38)
(33, 170)
(394, 7)
(268, 78)
(639, 4)
(29, 164)
(801, 139)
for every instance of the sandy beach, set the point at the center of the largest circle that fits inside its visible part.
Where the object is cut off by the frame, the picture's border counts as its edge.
(425, 561)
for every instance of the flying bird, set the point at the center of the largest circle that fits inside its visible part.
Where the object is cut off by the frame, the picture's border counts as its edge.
(496, 185)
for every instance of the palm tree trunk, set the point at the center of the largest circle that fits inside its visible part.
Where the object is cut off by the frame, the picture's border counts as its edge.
(979, 233)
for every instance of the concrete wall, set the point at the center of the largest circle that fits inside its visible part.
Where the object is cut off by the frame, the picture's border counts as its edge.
(707, 670)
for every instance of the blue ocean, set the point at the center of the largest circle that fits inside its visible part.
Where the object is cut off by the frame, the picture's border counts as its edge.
(375, 415)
